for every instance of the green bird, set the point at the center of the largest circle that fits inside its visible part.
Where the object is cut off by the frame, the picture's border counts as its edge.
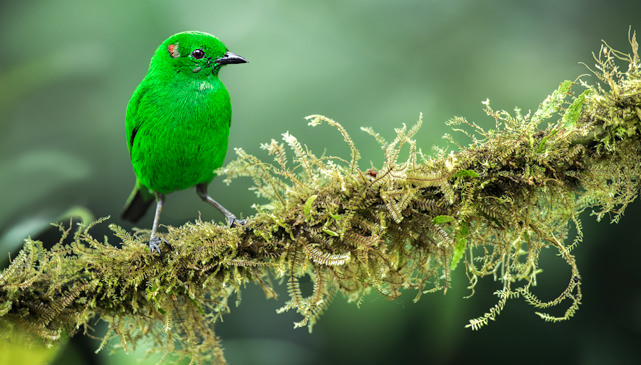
(178, 122)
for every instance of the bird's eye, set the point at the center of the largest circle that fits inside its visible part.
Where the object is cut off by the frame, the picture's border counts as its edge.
(198, 53)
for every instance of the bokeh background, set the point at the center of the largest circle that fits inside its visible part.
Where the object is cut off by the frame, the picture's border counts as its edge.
(68, 68)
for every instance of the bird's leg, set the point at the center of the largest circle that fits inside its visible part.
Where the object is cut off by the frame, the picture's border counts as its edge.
(154, 241)
(201, 190)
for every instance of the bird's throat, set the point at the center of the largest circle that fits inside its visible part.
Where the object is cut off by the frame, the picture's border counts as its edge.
(205, 85)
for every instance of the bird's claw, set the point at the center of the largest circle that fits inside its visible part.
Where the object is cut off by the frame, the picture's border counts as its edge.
(154, 244)
(233, 221)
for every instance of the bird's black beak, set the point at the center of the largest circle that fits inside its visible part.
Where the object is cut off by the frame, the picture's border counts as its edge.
(230, 58)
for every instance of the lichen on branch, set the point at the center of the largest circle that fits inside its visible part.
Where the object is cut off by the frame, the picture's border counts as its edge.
(491, 206)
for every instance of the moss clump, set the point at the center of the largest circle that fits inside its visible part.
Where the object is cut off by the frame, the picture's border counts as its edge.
(492, 205)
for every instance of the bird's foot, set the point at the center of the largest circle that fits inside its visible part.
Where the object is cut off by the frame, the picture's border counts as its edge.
(233, 221)
(154, 244)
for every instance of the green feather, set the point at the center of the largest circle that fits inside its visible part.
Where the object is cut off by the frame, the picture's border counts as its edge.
(178, 117)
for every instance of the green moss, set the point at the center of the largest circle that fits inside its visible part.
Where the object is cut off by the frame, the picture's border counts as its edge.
(492, 205)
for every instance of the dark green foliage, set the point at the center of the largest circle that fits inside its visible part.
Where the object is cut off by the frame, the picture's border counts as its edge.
(493, 205)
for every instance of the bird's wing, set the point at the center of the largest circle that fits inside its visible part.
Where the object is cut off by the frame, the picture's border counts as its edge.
(134, 120)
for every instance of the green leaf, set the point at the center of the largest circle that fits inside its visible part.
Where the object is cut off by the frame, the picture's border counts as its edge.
(553, 102)
(459, 248)
(574, 110)
(565, 86)
(544, 141)
(466, 173)
(308, 205)
(440, 219)
(330, 232)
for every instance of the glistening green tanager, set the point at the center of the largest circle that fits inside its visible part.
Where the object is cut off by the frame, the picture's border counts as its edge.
(178, 122)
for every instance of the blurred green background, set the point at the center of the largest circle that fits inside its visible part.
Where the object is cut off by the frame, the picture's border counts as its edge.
(68, 68)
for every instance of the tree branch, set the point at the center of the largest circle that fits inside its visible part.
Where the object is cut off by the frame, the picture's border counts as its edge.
(492, 205)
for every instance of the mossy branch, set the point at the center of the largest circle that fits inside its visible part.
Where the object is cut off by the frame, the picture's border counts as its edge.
(492, 205)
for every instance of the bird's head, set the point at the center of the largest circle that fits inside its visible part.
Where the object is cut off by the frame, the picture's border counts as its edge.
(193, 53)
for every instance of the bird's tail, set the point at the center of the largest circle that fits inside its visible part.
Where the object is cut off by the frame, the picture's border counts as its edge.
(137, 204)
